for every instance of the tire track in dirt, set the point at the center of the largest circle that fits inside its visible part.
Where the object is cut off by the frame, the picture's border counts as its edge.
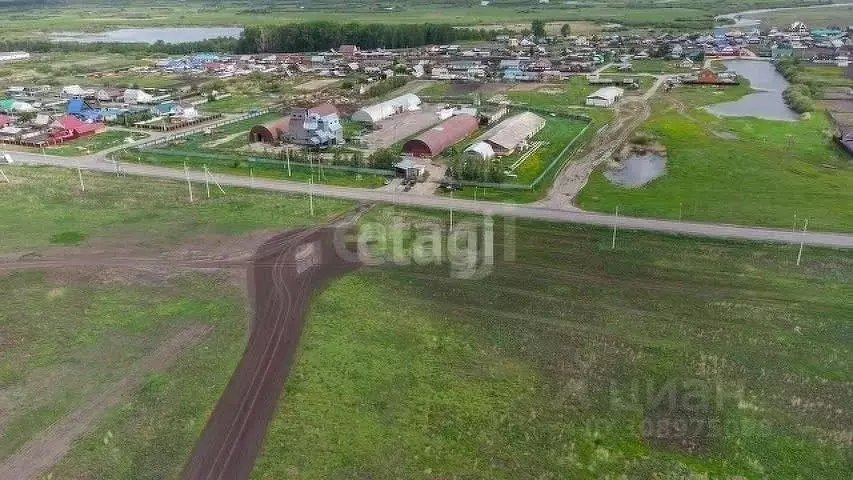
(40, 454)
(284, 274)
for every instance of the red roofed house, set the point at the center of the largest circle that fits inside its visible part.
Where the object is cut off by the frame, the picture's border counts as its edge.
(348, 51)
(80, 128)
(5, 121)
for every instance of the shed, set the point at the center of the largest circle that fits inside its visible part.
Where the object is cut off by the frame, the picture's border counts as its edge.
(439, 138)
(482, 150)
(605, 97)
(513, 132)
(408, 168)
(270, 132)
(381, 111)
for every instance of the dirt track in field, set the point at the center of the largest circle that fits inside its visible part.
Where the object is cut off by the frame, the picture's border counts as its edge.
(42, 453)
(284, 274)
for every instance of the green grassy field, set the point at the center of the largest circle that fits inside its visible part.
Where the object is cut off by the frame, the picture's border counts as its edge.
(551, 366)
(68, 68)
(100, 16)
(92, 144)
(825, 75)
(554, 365)
(737, 170)
(68, 334)
(238, 104)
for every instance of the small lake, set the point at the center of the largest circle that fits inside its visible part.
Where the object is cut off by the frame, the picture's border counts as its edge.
(150, 35)
(638, 170)
(767, 103)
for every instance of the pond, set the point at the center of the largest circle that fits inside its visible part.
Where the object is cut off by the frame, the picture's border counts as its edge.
(767, 103)
(150, 35)
(638, 170)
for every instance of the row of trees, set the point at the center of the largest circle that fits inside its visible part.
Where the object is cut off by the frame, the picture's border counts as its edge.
(474, 168)
(322, 35)
(381, 159)
(800, 95)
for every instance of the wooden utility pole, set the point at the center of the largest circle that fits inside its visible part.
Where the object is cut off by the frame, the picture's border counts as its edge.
(189, 184)
(80, 175)
(311, 195)
(616, 219)
(803, 242)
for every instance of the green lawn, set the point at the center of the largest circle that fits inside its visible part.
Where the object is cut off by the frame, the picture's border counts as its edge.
(237, 104)
(241, 166)
(825, 75)
(550, 366)
(557, 133)
(572, 92)
(737, 170)
(93, 143)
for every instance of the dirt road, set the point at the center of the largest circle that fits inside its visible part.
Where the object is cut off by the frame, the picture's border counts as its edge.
(631, 112)
(284, 274)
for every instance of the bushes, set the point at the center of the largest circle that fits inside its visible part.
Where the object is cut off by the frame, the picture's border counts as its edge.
(386, 86)
(799, 98)
(800, 95)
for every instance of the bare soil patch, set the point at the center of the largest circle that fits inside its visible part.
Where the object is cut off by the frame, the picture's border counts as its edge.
(314, 85)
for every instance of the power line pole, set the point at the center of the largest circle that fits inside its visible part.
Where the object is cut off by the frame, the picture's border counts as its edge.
(451, 211)
(311, 194)
(252, 177)
(206, 180)
(802, 242)
(189, 184)
(4, 176)
(616, 219)
(80, 175)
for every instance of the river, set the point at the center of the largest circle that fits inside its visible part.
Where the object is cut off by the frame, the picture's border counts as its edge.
(150, 35)
(767, 102)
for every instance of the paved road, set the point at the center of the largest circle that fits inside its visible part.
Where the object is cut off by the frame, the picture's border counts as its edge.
(478, 207)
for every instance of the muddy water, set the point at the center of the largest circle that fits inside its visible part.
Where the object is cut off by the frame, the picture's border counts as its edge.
(638, 170)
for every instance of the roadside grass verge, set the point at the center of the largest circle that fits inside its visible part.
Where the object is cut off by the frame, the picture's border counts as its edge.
(144, 211)
(553, 365)
(737, 170)
(91, 144)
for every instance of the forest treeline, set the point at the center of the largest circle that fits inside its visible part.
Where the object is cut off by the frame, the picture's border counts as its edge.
(319, 36)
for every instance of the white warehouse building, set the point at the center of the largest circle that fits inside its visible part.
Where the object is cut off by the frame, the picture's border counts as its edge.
(605, 97)
(381, 111)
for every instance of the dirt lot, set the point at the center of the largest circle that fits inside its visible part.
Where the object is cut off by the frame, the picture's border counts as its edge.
(400, 127)
(314, 85)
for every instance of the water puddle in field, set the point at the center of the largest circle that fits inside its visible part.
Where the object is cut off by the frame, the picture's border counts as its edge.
(638, 170)
(150, 35)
